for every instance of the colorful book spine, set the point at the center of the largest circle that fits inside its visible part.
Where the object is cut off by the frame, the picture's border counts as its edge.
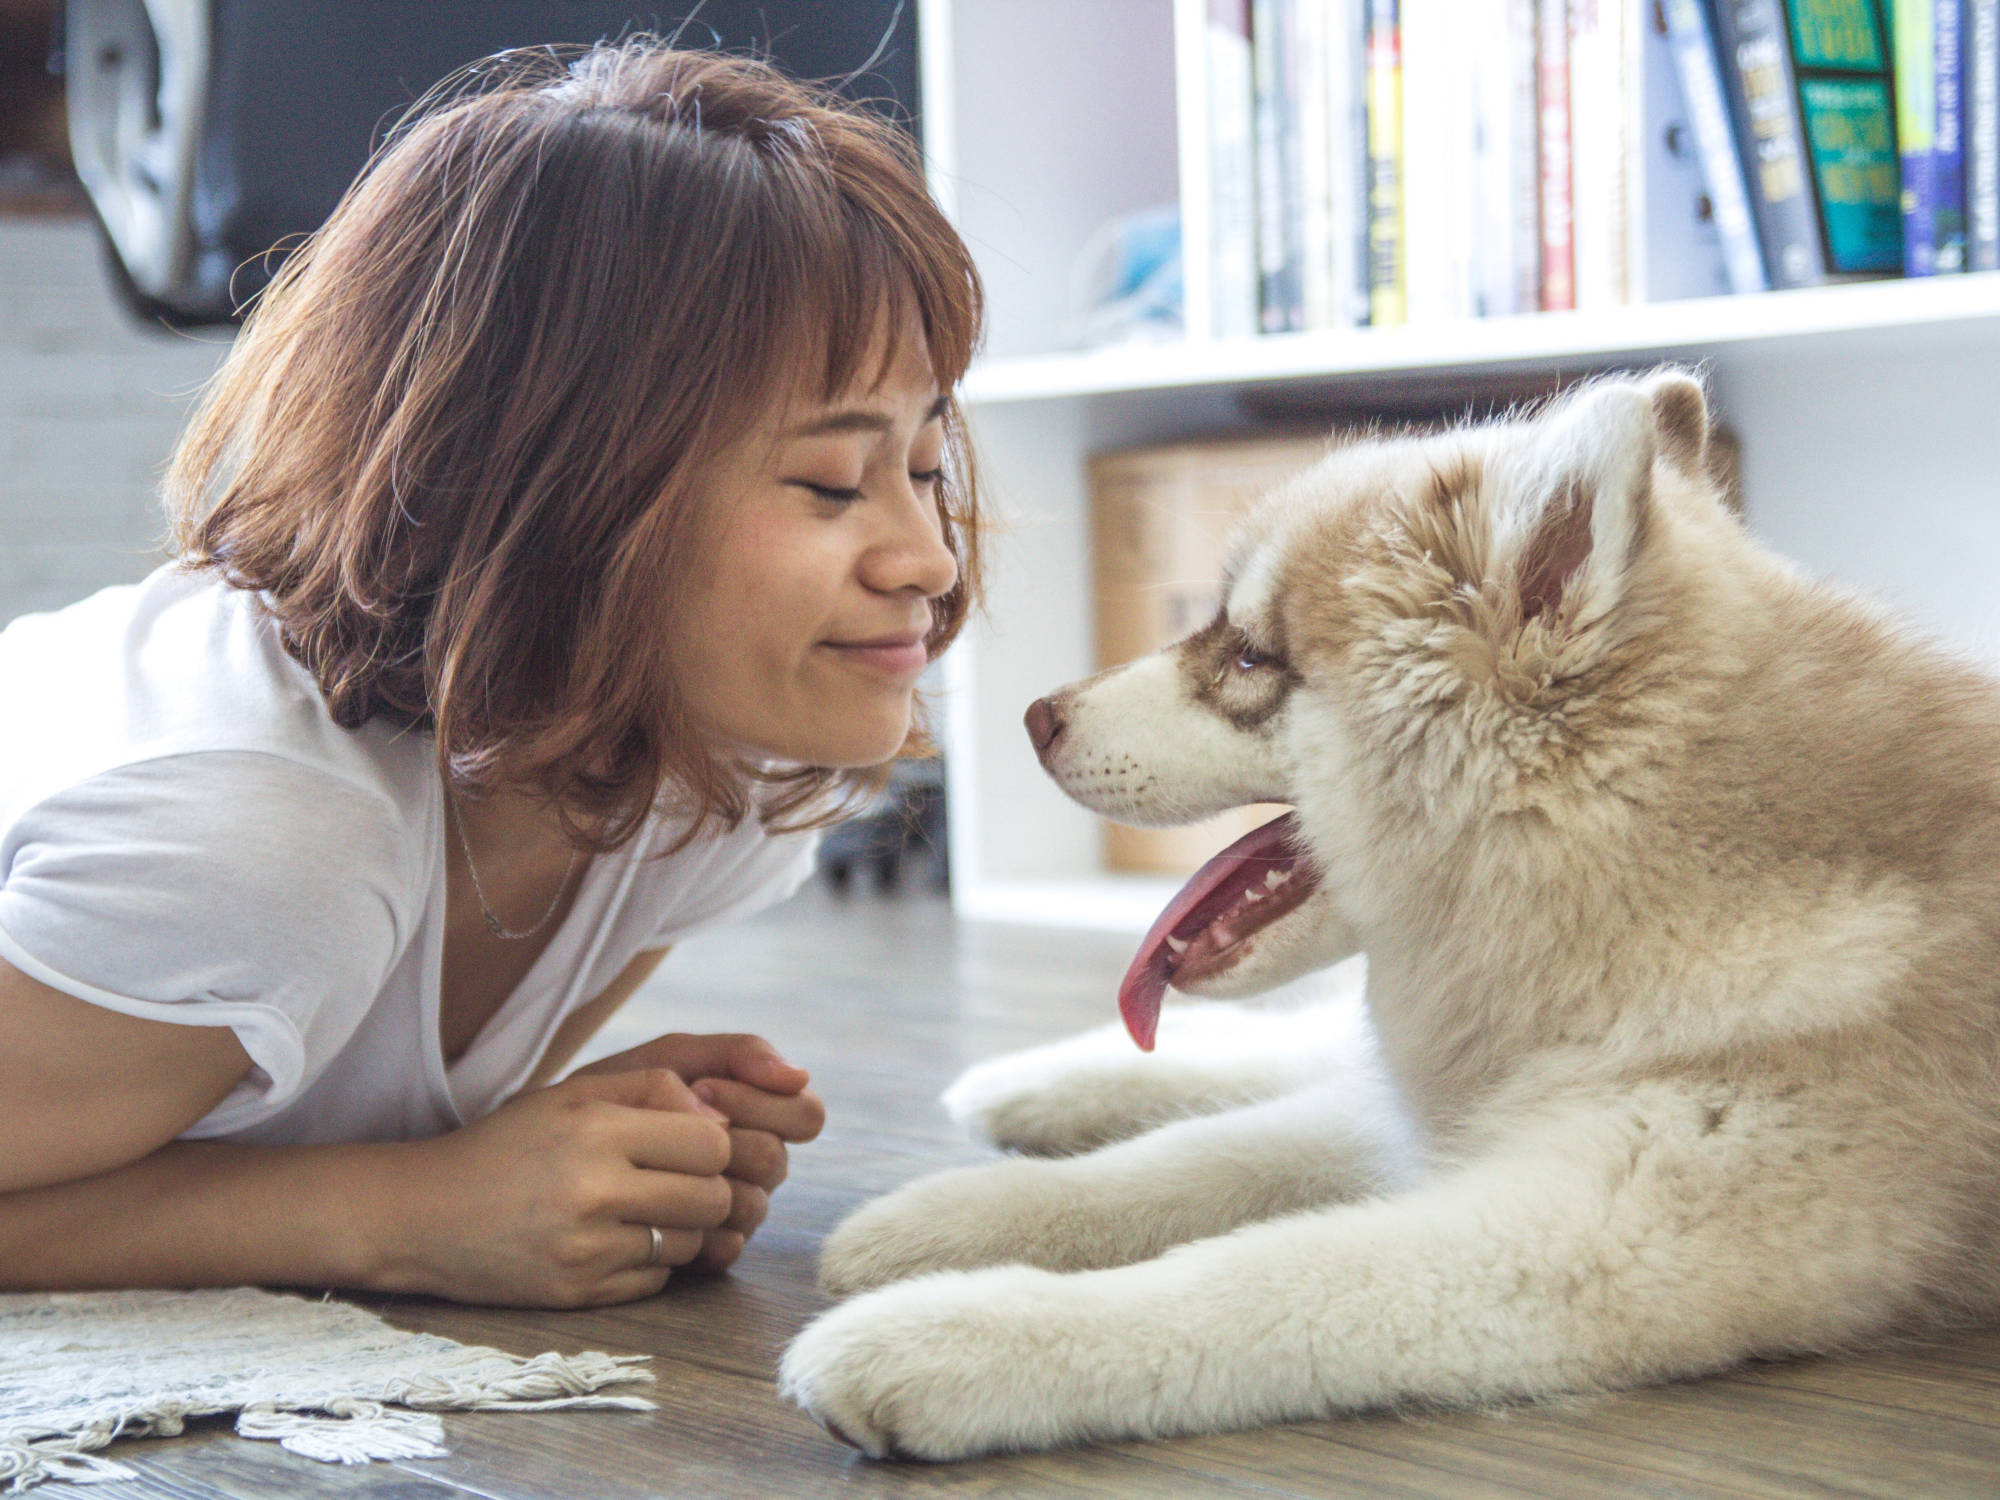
(1387, 266)
(1982, 135)
(1916, 130)
(1842, 65)
(1948, 137)
(1752, 39)
(1699, 70)
(1558, 257)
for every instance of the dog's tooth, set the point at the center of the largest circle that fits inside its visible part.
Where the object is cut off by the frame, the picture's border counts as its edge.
(1253, 894)
(1276, 878)
(1175, 945)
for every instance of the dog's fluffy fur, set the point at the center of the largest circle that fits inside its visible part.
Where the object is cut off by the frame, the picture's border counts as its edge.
(1678, 881)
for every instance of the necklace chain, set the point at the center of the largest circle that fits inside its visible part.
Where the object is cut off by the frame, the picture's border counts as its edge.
(493, 924)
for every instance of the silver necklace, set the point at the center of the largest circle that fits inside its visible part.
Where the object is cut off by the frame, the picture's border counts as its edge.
(493, 924)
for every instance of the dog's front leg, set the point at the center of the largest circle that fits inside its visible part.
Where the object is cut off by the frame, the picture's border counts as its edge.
(1130, 1201)
(1088, 1091)
(1637, 1245)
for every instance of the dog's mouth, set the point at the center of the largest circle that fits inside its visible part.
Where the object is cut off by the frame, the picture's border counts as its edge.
(1206, 928)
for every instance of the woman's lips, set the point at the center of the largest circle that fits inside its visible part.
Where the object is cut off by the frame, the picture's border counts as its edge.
(898, 655)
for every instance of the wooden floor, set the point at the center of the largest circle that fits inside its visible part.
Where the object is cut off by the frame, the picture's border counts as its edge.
(885, 1001)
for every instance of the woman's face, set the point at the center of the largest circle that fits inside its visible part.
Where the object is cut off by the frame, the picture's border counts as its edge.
(805, 635)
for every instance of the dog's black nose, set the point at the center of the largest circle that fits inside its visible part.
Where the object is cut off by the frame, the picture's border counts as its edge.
(1044, 721)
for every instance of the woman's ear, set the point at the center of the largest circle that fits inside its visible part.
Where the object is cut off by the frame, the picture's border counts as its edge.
(1588, 476)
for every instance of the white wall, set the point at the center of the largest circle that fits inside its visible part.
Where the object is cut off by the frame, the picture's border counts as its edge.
(90, 405)
(1879, 465)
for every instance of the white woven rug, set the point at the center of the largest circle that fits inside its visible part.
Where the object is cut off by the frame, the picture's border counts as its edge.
(325, 1379)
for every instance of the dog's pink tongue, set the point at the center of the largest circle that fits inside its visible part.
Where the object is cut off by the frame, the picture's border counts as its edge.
(1145, 984)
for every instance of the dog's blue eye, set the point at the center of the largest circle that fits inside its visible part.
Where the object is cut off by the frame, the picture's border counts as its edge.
(1249, 659)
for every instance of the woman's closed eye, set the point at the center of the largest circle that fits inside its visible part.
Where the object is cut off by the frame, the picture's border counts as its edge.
(848, 494)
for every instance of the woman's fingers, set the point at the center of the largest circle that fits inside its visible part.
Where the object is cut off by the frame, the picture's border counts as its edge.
(747, 1208)
(790, 1117)
(747, 1059)
(758, 1158)
(659, 1089)
(719, 1249)
(673, 1200)
(665, 1141)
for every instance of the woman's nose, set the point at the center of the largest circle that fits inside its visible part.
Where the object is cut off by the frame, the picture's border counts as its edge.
(916, 557)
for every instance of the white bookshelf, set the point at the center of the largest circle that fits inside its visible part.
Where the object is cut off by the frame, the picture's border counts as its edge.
(1869, 413)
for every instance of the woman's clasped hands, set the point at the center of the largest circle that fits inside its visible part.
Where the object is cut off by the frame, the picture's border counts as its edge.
(553, 1198)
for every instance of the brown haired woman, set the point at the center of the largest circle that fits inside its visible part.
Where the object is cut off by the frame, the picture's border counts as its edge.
(562, 539)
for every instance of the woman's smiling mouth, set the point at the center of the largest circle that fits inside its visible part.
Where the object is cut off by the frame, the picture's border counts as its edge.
(901, 655)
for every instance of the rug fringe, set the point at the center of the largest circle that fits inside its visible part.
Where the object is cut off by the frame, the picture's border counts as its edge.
(347, 1432)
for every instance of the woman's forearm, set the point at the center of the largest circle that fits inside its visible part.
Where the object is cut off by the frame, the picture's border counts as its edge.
(207, 1213)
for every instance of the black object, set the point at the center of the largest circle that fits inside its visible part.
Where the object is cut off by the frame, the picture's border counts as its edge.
(905, 825)
(210, 132)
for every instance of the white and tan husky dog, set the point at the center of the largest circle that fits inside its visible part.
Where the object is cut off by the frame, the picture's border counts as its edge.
(1678, 881)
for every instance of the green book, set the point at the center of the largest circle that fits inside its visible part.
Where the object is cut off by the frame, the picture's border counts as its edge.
(1844, 72)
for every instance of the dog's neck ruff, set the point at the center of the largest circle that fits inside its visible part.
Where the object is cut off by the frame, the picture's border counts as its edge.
(1242, 890)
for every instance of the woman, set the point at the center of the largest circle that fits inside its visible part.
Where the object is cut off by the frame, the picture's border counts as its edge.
(560, 544)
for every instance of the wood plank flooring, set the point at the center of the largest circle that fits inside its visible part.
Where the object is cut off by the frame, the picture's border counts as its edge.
(885, 1002)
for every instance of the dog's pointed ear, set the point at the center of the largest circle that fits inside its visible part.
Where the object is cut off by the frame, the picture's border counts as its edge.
(1589, 490)
(1680, 417)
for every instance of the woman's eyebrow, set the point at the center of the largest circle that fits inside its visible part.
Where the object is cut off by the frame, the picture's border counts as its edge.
(861, 419)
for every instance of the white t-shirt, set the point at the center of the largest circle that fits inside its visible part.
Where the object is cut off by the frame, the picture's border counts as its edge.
(187, 836)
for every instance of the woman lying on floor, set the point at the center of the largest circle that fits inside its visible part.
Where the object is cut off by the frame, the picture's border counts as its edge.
(559, 546)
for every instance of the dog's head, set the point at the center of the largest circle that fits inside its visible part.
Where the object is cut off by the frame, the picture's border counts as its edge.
(1417, 637)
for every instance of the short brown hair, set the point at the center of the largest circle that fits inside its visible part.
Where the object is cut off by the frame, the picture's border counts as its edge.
(456, 443)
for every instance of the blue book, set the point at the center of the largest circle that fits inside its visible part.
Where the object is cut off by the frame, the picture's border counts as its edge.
(1948, 138)
(1982, 135)
(1692, 39)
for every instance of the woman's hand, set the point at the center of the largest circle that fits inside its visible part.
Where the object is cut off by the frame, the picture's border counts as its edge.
(546, 1202)
(766, 1102)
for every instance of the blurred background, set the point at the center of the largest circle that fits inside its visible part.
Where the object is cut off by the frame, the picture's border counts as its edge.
(1216, 234)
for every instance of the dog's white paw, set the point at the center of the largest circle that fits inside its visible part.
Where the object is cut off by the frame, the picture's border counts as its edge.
(1001, 1213)
(1095, 1089)
(940, 1368)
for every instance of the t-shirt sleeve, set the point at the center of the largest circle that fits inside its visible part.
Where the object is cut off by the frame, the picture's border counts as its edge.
(221, 888)
(735, 876)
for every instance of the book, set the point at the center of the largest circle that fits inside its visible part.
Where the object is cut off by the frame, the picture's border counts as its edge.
(1842, 66)
(1691, 40)
(1674, 240)
(1982, 135)
(1387, 273)
(1440, 226)
(1916, 128)
(1599, 93)
(1753, 43)
(1280, 253)
(1505, 186)
(1948, 137)
(1349, 123)
(1331, 162)
(1558, 257)
(1232, 168)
